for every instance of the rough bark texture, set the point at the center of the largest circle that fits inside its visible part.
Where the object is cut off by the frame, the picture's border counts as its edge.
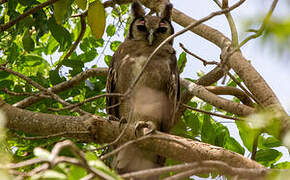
(103, 131)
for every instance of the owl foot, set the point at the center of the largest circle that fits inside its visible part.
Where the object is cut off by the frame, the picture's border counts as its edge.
(122, 121)
(143, 128)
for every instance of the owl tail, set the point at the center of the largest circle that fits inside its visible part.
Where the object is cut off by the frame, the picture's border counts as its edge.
(133, 159)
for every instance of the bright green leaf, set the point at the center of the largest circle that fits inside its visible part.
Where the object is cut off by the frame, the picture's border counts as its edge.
(282, 165)
(268, 156)
(114, 45)
(233, 145)
(108, 59)
(111, 30)
(182, 61)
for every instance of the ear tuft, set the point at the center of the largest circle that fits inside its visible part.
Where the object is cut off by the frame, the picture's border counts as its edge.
(166, 14)
(137, 10)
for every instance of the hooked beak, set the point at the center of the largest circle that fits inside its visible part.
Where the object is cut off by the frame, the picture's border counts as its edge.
(151, 36)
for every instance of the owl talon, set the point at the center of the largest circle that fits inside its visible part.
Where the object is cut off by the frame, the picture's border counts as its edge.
(143, 128)
(122, 121)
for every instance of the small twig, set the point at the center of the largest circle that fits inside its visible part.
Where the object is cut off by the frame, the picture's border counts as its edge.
(7, 25)
(234, 32)
(255, 146)
(205, 62)
(87, 100)
(25, 93)
(211, 113)
(260, 31)
(194, 24)
(30, 81)
(54, 135)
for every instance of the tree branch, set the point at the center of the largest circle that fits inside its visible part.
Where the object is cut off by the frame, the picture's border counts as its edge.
(7, 25)
(103, 131)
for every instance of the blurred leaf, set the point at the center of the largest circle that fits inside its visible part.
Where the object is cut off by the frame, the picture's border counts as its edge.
(60, 10)
(268, 156)
(42, 153)
(4, 74)
(282, 165)
(97, 18)
(49, 174)
(76, 173)
(182, 61)
(81, 4)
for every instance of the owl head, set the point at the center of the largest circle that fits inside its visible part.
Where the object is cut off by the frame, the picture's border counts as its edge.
(148, 28)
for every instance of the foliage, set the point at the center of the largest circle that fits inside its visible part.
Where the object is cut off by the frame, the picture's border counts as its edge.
(37, 46)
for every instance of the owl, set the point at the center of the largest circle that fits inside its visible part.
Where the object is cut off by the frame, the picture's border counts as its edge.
(156, 95)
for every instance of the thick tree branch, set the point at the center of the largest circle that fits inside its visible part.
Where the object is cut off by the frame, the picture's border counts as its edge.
(104, 131)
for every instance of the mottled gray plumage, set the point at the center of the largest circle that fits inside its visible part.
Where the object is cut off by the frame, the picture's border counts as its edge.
(156, 95)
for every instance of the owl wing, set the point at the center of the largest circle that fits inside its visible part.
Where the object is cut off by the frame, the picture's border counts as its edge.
(110, 86)
(173, 91)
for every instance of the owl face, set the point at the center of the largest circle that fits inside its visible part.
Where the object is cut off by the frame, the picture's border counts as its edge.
(151, 29)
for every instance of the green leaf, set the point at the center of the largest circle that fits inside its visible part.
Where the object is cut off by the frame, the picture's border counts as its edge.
(49, 174)
(268, 156)
(222, 133)
(60, 10)
(247, 134)
(89, 56)
(60, 34)
(33, 60)
(97, 18)
(208, 131)
(192, 121)
(81, 4)
(182, 61)
(270, 142)
(76, 173)
(4, 74)
(108, 59)
(233, 145)
(111, 30)
(6, 84)
(55, 78)
(282, 165)
(114, 45)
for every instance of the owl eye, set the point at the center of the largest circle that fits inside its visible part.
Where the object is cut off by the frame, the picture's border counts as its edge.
(161, 30)
(141, 28)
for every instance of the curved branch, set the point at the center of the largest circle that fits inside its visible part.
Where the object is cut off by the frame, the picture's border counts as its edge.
(222, 103)
(227, 90)
(104, 131)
